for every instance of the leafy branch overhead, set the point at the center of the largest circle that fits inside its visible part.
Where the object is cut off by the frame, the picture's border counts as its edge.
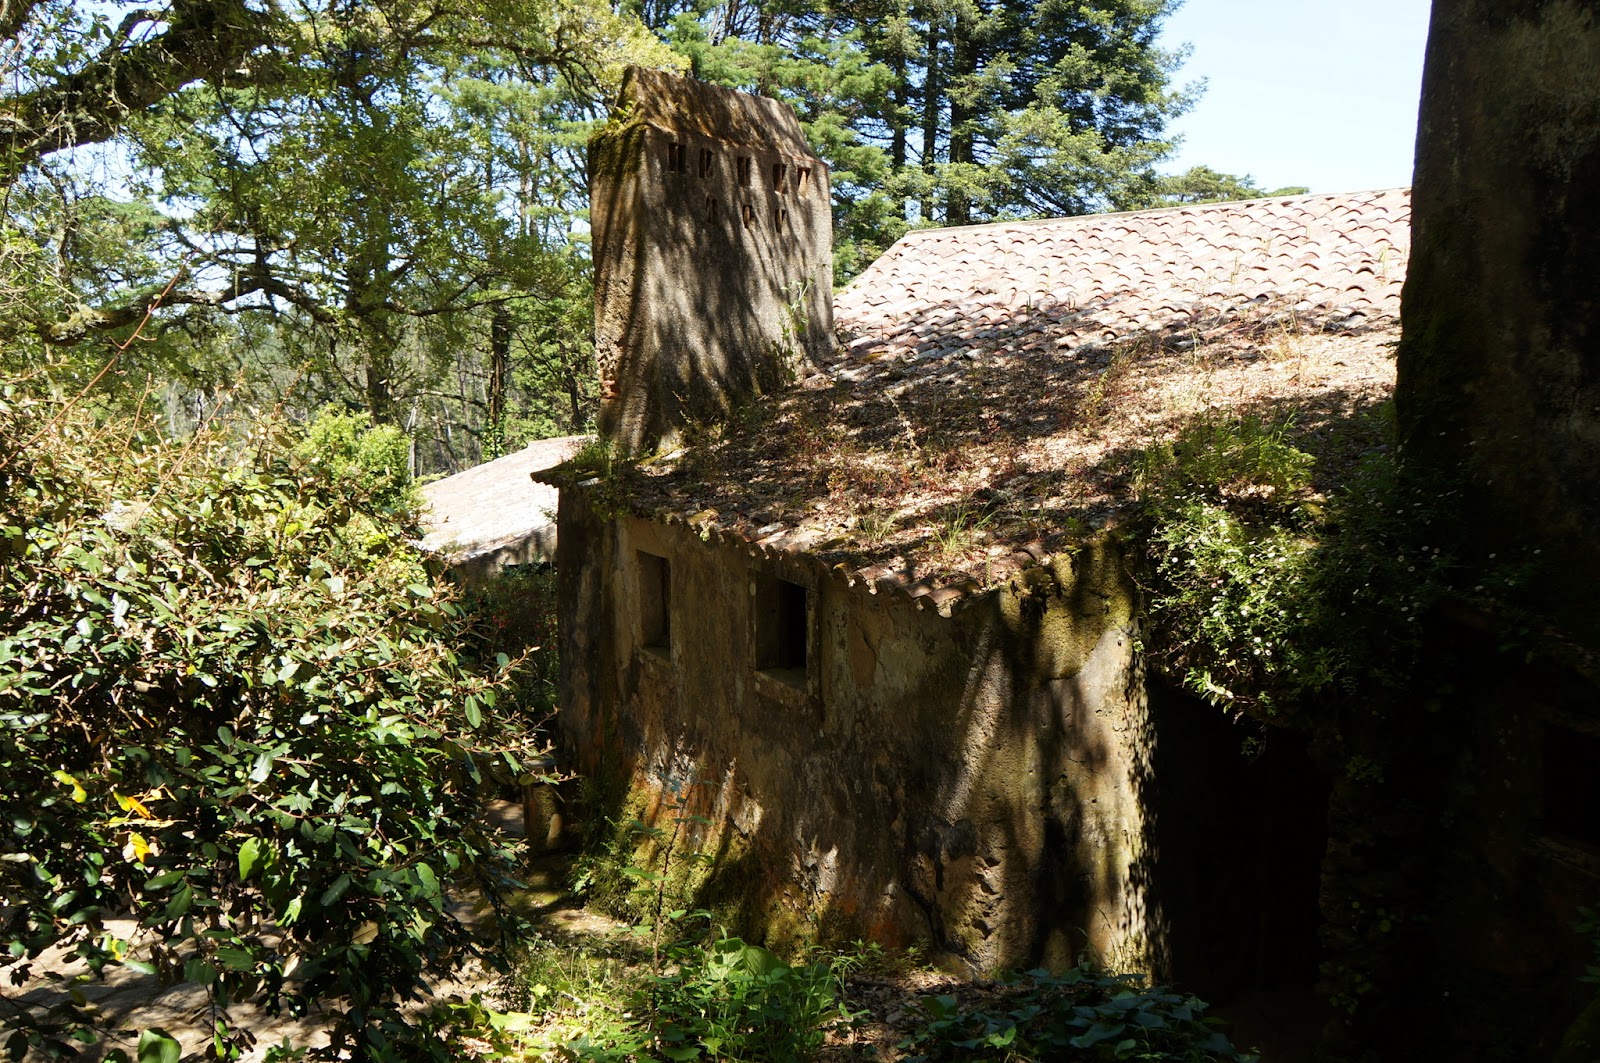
(338, 187)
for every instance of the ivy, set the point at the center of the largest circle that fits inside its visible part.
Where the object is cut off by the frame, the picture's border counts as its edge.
(1265, 594)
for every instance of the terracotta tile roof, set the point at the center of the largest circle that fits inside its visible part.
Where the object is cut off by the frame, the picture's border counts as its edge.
(1099, 278)
(496, 508)
(994, 384)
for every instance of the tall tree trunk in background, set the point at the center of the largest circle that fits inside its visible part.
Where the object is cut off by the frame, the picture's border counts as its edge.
(899, 121)
(576, 372)
(963, 112)
(1500, 367)
(380, 380)
(932, 107)
(499, 376)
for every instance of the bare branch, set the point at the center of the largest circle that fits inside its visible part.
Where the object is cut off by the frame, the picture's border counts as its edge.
(14, 15)
(204, 40)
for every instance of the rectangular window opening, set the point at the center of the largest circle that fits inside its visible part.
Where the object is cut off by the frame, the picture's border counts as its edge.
(779, 172)
(655, 602)
(802, 179)
(748, 213)
(781, 629)
(782, 217)
(713, 208)
(742, 166)
(1572, 785)
(707, 162)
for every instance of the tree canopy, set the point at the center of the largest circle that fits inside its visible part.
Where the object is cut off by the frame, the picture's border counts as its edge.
(356, 202)
(383, 204)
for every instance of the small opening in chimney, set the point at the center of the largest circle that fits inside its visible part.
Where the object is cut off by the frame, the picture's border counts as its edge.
(743, 166)
(802, 179)
(783, 217)
(779, 172)
(676, 156)
(707, 161)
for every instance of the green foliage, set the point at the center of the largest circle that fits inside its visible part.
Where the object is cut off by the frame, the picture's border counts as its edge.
(234, 702)
(1266, 595)
(1202, 184)
(1081, 1014)
(732, 1000)
(384, 206)
(719, 998)
(376, 459)
(1225, 460)
(514, 625)
(724, 998)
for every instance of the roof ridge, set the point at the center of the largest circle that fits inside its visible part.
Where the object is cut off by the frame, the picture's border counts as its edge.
(1026, 223)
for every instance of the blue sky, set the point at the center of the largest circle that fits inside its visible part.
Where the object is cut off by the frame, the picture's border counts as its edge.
(1302, 92)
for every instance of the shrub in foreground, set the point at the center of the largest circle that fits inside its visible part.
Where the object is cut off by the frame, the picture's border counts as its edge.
(235, 703)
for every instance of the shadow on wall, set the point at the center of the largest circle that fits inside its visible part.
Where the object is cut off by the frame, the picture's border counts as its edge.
(712, 285)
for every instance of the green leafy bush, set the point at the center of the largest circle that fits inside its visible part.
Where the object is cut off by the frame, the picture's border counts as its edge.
(234, 703)
(1233, 542)
(345, 446)
(1080, 1015)
(717, 998)
(736, 1001)
(1265, 594)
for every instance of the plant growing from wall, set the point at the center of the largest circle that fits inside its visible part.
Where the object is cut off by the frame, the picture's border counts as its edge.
(1264, 594)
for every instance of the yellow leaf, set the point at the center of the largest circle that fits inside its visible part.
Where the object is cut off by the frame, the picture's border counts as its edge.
(79, 794)
(137, 850)
(131, 804)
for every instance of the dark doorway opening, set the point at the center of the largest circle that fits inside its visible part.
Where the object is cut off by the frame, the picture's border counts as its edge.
(1238, 830)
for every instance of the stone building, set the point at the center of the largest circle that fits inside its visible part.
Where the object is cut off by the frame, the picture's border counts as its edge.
(492, 516)
(713, 255)
(880, 635)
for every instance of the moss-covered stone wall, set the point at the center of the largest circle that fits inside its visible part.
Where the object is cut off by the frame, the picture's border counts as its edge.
(973, 781)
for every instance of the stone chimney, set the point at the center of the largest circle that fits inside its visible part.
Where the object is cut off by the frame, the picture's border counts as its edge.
(713, 255)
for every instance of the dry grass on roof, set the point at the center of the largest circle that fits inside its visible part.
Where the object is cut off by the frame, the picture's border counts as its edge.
(935, 468)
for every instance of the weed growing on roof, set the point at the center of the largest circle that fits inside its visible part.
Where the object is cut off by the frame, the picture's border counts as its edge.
(959, 529)
(874, 525)
(1095, 405)
(1264, 595)
(598, 466)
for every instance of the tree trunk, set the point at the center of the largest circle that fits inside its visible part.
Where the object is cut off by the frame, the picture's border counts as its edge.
(900, 109)
(499, 375)
(932, 110)
(1499, 370)
(963, 70)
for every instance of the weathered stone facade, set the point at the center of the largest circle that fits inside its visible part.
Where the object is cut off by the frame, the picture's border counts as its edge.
(713, 239)
(882, 770)
(866, 663)
(1002, 782)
